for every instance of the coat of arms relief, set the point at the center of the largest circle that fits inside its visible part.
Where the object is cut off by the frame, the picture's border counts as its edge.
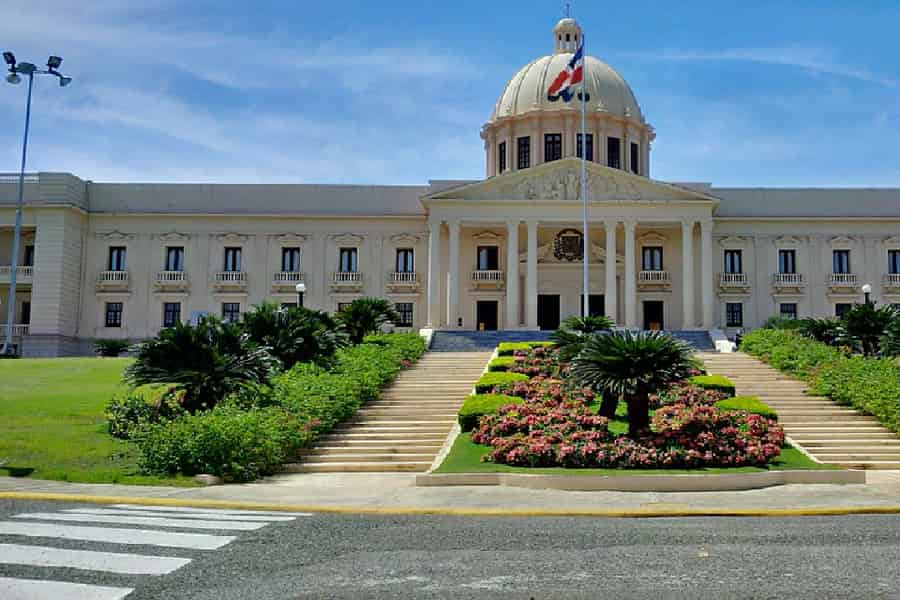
(566, 185)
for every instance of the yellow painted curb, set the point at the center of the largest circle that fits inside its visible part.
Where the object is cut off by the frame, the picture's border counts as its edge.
(649, 512)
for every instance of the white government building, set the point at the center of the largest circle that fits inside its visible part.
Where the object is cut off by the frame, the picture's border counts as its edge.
(122, 260)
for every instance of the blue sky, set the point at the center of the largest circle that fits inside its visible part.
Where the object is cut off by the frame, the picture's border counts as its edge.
(801, 93)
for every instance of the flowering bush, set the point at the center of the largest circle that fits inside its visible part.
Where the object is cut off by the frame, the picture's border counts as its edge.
(534, 362)
(687, 394)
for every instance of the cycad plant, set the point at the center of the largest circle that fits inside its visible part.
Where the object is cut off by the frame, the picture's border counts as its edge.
(632, 366)
(364, 316)
(208, 360)
(573, 333)
(865, 326)
(294, 334)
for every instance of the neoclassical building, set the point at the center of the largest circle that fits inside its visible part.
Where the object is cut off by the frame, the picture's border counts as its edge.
(122, 260)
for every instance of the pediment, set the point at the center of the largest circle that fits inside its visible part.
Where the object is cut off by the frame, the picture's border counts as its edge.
(733, 241)
(115, 236)
(560, 181)
(174, 236)
(788, 241)
(652, 238)
(349, 239)
(286, 239)
(232, 237)
(841, 241)
(894, 240)
(405, 238)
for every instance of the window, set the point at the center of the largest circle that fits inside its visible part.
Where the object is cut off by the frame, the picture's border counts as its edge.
(348, 261)
(290, 260)
(787, 262)
(488, 258)
(171, 313)
(734, 314)
(841, 260)
(501, 157)
(613, 157)
(175, 258)
(231, 312)
(342, 306)
(590, 147)
(788, 310)
(405, 311)
(552, 146)
(26, 313)
(733, 261)
(113, 314)
(894, 262)
(896, 306)
(29, 256)
(405, 262)
(232, 260)
(523, 148)
(116, 259)
(635, 158)
(841, 309)
(652, 258)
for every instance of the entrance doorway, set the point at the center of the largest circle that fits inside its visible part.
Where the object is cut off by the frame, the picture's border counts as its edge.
(486, 315)
(596, 305)
(548, 311)
(653, 315)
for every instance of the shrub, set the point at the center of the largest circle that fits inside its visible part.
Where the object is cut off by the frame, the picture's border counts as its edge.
(110, 347)
(128, 412)
(789, 352)
(714, 382)
(779, 322)
(489, 381)
(411, 346)
(478, 405)
(366, 315)
(294, 334)
(502, 363)
(510, 348)
(870, 385)
(749, 404)
(687, 394)
(571, 337)
(866, 325)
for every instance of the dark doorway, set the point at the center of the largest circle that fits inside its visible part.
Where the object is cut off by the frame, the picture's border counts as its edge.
(653, 315)
(486, 315)
(596, 305)
(548, 311)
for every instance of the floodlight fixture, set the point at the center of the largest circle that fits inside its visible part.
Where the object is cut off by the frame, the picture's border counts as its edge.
(64, 81)
(10, 59)
(54, 62)
(13, 78)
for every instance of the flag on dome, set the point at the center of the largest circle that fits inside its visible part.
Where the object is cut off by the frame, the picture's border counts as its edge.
(564, 84)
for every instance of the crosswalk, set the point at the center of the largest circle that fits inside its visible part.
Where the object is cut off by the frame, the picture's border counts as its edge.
(111, 530)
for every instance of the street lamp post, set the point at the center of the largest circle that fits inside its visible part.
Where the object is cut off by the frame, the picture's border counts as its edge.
(300, 288)
(29, 69)
(867, 291)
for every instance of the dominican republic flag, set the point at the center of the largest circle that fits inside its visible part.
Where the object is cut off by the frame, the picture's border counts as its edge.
(564, 84)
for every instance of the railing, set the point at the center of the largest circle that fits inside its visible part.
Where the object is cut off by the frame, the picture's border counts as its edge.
(230, 278)
(404, 277)
(113, 278)
(17, 330)
(843, 279)
(892, 279)
(787, 279)
(653, 277)
(487, 276)
(346, 277)
(22, 272)
(287, 277)
(171, 277)
(14, 178)
(732, 279)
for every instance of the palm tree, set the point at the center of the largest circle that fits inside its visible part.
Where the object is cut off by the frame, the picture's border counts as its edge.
(570, 338)
(632, 366)
(208, 360)
(364, 316)
(865, 326)
(294, 334)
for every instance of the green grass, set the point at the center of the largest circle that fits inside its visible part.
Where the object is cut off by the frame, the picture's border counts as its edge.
(52, 421)
(465, 457)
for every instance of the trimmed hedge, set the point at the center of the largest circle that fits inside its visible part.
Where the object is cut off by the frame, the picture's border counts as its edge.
(486, 383)
(478, 405)
(501, 363)
(510, 348)
(788, 351)
(750, 404)
(714, 382)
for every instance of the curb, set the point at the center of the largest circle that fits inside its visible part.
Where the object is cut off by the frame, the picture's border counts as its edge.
(647, 511)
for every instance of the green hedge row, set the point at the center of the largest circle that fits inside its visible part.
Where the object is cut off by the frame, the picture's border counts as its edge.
(789, 352)
(510, 348)
(478, 405)
(501, 363)
(257, 429)
(750, 404)
(486, 383)
(714, 382)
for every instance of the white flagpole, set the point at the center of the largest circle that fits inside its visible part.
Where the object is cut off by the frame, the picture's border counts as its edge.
(584, 191)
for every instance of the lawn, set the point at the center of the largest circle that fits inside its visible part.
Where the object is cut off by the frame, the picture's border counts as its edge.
(52, 423)
(465, 457)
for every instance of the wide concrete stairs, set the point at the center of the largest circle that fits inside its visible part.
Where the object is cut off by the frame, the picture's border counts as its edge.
(404, 430)
(831, 433)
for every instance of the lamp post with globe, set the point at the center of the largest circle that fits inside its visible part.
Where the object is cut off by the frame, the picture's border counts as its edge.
(300, 289)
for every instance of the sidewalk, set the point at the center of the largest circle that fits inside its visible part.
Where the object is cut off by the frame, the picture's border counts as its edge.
(396, 493)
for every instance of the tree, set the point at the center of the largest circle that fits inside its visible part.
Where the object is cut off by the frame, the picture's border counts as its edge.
(865, 325)
(570, 338)
(827, 331)
(364, 316)
(208, 360)
(633, 366)
(890, 342)
(294, 334)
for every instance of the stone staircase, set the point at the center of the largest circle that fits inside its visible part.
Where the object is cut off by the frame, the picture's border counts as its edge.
(699, 339)
(481, 341)
(404, 430)
(829, 432)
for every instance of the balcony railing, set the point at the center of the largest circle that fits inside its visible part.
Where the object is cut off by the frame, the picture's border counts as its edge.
(112, 279)
(346, 278)
(404, 277)
(653, 277)
(892, 280)
(733, 279)
(493, 276)
(230, 279)
(23, 273)
(17, 330)
(787, 279)
(288, 277)
(171, 278)
(843, 279)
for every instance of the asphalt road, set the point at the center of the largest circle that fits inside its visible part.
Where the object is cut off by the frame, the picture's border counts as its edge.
(362, 556)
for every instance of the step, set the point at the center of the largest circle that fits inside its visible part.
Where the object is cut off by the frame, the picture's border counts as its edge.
(364, 423)
(861, 442)
(868, 465)
(443, 429)
(796, 431)
(383, 448)
(385, 416)
(381, 436)
(357, 467)
(832, 420)
(338, 456)
(815, 411)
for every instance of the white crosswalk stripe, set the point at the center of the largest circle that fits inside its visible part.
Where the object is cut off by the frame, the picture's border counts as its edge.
(107, 525)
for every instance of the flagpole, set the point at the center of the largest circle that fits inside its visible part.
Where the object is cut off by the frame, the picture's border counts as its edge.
(584, 191)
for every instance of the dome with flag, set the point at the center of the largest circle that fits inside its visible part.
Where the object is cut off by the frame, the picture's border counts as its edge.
(527, 91)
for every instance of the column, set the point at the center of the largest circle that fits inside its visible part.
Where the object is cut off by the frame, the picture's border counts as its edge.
(453, 275)
(689, 321)
(706, 273)
(630, 277)
(512, 274)
(610, 293)
(531, 275)
(434, 273)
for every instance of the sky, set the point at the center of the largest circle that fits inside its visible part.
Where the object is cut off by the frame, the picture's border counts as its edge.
(797, 93)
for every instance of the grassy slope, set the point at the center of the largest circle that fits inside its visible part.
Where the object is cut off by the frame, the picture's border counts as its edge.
(52, 420)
